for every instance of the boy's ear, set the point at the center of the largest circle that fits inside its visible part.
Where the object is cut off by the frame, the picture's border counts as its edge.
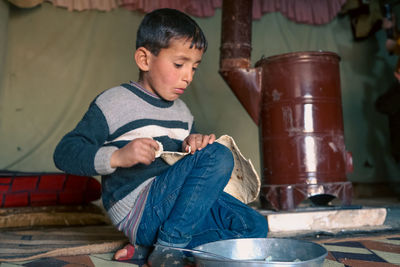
(142, 58)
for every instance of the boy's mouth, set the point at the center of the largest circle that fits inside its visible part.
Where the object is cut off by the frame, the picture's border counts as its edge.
(180, 90)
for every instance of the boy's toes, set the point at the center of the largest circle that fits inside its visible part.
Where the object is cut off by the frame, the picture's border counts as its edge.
(131, 252)
(125, 253)
(120, 253)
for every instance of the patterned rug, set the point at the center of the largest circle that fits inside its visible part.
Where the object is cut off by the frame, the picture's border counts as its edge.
(93, 246)
(380, 251)
(31, 244)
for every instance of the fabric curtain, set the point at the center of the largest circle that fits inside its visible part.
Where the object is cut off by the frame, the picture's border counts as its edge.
(300, 11)
(81, 5)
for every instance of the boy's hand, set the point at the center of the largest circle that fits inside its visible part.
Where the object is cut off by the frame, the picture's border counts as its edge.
(397, 75)
(197, 142)
(140, 150)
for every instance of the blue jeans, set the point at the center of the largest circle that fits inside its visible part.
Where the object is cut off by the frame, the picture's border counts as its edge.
(187, 207)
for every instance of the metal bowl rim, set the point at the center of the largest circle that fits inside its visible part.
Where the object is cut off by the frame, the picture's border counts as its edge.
(321, 257)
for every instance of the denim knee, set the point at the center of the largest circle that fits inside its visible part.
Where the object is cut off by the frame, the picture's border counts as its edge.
(224, 161)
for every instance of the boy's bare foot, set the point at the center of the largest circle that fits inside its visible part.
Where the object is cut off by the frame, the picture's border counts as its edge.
(125, 253)
(131, 252)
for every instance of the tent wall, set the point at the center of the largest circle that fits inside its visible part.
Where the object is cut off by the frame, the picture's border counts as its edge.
(58, 61)
(4, 12)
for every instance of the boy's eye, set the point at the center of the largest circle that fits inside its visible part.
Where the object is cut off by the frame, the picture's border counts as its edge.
(194, 68)
(178, 65)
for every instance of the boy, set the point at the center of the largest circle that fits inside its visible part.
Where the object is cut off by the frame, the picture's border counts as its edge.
(182, 205)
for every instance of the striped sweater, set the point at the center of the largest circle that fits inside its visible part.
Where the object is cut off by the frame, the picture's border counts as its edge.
(114, 118)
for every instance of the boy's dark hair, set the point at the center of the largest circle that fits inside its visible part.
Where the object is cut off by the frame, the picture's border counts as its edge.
(161, 25)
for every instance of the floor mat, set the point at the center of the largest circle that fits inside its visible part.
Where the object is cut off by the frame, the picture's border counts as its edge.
(30, 244)
(366, 251)
(52, 216)
(381, 251)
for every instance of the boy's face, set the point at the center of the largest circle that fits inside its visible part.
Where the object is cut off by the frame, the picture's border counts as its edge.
(171, 71)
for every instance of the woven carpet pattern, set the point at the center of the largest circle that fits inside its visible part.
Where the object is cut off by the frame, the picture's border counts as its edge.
(30, 244)
(381, 251)
(372, 252)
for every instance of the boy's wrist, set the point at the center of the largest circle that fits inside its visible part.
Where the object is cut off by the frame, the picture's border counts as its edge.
(114, 159)
(102, 160)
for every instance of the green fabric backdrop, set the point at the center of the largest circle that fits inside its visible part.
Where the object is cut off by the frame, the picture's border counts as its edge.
(4, 12)
(58, 61)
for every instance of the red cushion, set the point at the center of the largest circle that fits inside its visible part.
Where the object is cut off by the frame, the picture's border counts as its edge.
(44, 189)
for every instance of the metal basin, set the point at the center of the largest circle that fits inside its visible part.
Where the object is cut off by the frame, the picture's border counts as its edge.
(270, 252)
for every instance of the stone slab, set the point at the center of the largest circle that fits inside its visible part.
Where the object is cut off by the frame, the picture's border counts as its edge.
(324, 220)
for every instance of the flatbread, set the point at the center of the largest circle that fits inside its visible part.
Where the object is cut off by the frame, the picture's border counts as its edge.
(244, 184)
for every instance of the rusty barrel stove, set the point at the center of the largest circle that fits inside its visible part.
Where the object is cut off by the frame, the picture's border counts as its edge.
(302, 130)
(295, 99)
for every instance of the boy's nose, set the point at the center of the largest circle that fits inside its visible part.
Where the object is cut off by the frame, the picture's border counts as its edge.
(188, 76)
